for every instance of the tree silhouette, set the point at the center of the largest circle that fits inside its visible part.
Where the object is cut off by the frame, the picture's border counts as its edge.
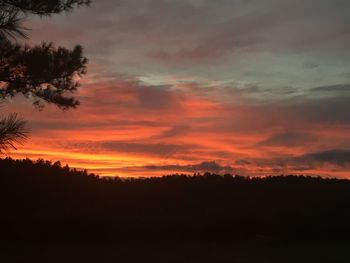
(12, 132)
(42, 73)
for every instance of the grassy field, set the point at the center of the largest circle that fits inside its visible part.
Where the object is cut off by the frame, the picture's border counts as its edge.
(177, 253)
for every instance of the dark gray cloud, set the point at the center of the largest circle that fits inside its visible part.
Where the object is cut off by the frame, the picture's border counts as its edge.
(150, 148)
(178, 130)
(211, 166)
(333, 88)
(71, 125)
(196, 30)
(339, 157)
(310, 65)
(330, 159)
(333, 109)
(164, 150)
(208, 49)
(288, 139)
(129, 93)
(243, 162)
(156, 97)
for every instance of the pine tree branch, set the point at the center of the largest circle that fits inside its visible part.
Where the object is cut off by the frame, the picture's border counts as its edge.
(13, 131)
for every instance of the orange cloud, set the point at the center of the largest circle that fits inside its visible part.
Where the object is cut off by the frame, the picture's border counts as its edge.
(126, 127)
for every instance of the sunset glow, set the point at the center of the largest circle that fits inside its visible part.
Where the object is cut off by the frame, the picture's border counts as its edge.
(197, 86)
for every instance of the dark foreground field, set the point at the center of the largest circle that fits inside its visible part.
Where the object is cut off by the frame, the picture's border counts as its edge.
(210, 218)
(178, 253)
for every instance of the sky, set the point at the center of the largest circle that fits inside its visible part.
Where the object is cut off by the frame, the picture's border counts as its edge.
(245, 87)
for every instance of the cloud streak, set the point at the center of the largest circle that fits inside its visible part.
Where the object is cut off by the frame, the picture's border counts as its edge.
(203, 167)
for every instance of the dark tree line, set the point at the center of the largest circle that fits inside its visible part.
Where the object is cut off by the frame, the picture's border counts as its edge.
(42, 202)
(42, 73)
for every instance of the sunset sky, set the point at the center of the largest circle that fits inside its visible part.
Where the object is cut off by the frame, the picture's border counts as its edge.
(246, 87)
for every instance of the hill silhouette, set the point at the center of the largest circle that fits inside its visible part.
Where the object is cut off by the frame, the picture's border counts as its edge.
(45, 202)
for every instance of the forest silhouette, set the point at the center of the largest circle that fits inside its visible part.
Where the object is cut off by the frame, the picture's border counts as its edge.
(45, 202)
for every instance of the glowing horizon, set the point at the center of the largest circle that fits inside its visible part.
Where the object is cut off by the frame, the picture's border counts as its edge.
(195, 86)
